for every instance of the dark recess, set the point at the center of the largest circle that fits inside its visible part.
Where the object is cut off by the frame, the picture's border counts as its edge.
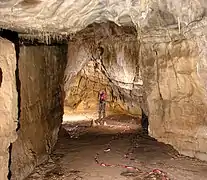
(1, 76)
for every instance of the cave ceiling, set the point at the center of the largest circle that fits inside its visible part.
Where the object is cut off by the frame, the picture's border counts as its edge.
(62, 17)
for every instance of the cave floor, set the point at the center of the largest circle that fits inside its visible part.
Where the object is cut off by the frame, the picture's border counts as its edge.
(124, 151)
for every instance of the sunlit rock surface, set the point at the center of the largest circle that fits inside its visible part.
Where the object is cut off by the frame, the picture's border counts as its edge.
(8, 103)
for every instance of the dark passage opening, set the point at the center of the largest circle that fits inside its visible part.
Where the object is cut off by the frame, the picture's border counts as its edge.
(1, 76)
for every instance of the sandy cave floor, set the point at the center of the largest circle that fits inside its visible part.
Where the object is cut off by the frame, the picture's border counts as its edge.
(124, 151)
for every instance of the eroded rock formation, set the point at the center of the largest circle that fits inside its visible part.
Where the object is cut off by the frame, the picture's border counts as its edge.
(8, 103)
(170, 41)
(104, 57)
(41, 74)
(176, 95)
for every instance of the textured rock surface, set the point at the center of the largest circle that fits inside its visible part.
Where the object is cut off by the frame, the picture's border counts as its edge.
(104, 57)
(172, 36)
(172, 66)
(41, 75)
(8, 103)
(70, 16)
(176, 94)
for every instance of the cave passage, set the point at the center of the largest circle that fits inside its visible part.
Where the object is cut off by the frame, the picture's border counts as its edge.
(54, 88)
(119, 148)
(149, 56)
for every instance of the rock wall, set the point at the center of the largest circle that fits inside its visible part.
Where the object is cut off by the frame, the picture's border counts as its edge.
(41, 71)
(176, 93)
(82, 95)
(104, 57)
(165, 67)
(8, 103)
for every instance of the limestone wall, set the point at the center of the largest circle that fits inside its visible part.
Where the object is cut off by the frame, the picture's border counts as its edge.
(41, 71)
(8, 103)
(176, 94)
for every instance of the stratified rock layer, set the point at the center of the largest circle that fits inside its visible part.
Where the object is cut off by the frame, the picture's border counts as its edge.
(41, 74)
(8, 103)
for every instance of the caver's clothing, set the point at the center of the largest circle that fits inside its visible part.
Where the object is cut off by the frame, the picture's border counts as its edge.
(144, 122)
(102, 97)
(102, 109)
(102, 105)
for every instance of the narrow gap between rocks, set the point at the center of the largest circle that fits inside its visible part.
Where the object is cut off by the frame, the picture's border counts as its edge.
(116, 146)
(1, 76)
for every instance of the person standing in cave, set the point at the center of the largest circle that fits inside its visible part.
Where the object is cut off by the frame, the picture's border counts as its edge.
(144, 122)
(102, 105)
